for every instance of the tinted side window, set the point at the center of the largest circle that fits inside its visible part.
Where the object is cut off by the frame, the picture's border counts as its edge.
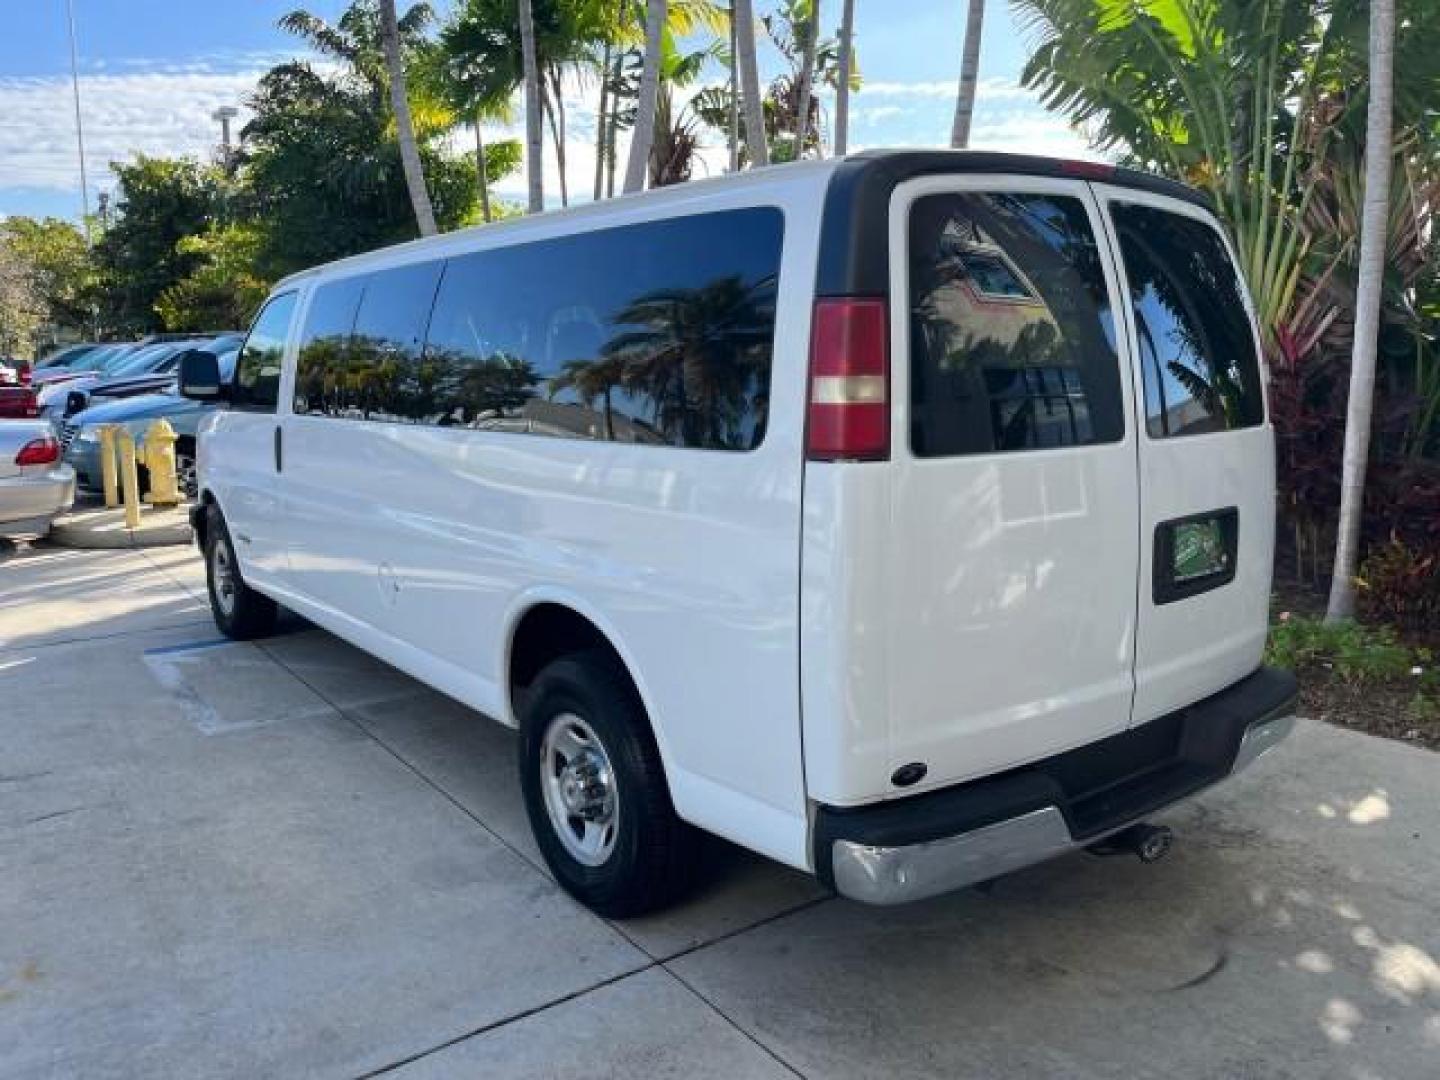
(384, 376)
(325, 347)
(653, 333)
(1197, 353)
(257, 371)
(1012, 343)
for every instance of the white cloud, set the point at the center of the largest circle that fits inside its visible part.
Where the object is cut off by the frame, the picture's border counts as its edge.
(998, 88)
(164, 107)
(149, 112)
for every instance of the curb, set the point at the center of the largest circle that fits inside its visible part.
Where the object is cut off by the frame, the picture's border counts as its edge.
(105, 528)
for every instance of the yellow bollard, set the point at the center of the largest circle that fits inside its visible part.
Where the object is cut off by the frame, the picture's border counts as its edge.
(129, 480)
(107, 465)
(157, 454)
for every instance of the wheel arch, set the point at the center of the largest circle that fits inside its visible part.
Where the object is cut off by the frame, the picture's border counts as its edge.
(545, 625)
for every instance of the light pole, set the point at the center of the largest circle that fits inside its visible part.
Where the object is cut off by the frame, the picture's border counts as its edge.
(79, 126)
(225, 114)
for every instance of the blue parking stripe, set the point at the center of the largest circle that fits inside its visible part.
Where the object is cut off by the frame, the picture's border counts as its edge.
(188, 646)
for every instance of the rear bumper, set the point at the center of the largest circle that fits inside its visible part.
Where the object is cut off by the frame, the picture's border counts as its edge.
(908, 849)
(28, 503)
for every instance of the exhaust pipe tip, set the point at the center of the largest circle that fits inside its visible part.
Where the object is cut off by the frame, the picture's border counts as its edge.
(1148, 843)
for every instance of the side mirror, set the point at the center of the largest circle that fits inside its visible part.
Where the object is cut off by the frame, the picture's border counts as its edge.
(200, 377)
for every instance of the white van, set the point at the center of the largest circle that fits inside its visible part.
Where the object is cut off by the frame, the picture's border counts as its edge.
(906, 518)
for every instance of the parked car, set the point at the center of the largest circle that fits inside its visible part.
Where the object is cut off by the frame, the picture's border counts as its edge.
(10, 372)
(35, 485)
(18, 402)
(80, 434)
(137, 359)
(66, 355)
(143, 373)
(906, 518)
(88, 364)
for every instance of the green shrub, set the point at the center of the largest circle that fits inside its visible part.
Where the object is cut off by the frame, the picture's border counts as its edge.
(1354, 651)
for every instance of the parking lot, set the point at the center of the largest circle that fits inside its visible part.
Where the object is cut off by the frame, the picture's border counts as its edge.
(284, 858)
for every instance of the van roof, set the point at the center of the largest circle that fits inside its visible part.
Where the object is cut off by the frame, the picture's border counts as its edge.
(856, 190)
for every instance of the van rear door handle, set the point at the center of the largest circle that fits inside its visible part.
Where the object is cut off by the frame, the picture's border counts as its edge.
(279, 452)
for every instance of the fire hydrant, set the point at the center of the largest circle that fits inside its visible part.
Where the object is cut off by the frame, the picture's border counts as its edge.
(157, 454)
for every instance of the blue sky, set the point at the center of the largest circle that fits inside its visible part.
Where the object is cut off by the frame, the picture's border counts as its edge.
(152, 71)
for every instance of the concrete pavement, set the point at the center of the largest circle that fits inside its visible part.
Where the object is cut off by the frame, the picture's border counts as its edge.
(284, 858)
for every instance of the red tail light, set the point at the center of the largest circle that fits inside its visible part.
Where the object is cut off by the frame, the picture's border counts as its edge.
(44, 451)
(849, 410)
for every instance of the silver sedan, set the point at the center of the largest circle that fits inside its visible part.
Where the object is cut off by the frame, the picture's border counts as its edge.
(35, 485)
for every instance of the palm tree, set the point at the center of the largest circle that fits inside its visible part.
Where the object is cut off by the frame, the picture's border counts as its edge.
(732, 125)
(744, 15)
(811, 28)
(1379, 153)
(969, 71)
(404, 128)
(534, 133)
(644, 136)
(842, 88)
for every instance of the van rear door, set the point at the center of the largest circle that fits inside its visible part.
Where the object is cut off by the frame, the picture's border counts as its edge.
(1206, 452)
(1014, 528)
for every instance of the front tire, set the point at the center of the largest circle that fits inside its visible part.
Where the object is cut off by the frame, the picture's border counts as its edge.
(239, 611)
(595, 790)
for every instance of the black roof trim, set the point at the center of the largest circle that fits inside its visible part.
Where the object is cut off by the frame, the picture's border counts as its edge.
(854, 240)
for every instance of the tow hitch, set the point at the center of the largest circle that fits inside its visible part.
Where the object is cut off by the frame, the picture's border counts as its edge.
(1148, 843)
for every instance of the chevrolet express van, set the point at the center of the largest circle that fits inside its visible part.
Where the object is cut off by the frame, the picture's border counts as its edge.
(906, 518)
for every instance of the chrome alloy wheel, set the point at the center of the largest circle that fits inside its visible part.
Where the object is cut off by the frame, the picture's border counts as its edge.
(222, 573)
(578, 785)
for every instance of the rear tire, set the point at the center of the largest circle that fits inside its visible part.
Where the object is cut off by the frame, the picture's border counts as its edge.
(595, 790)
(239, 611)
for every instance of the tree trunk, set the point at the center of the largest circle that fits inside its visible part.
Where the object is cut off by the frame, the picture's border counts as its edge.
(750, 84)
(601, 122)
(807, 77)
(404, 128)
(1379, 154)
(534, 131)
(969, 72)
(612, 134)
(734, 134)
(842, 92)
(555, 109)
(480, 170)
(643, 137)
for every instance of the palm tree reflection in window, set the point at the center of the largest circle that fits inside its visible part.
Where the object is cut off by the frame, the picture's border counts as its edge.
(697, 361)
(1196, 349)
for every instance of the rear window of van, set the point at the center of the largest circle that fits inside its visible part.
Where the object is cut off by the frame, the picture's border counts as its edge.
(1197, 352)
(1012, 342)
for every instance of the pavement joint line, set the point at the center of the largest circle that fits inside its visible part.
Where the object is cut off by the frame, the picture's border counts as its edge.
(198, 594)
(506, 1021)
(654, 961)
(769, 1052)
(370, 734)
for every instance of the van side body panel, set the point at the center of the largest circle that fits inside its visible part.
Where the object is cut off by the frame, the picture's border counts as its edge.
(426, 545)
